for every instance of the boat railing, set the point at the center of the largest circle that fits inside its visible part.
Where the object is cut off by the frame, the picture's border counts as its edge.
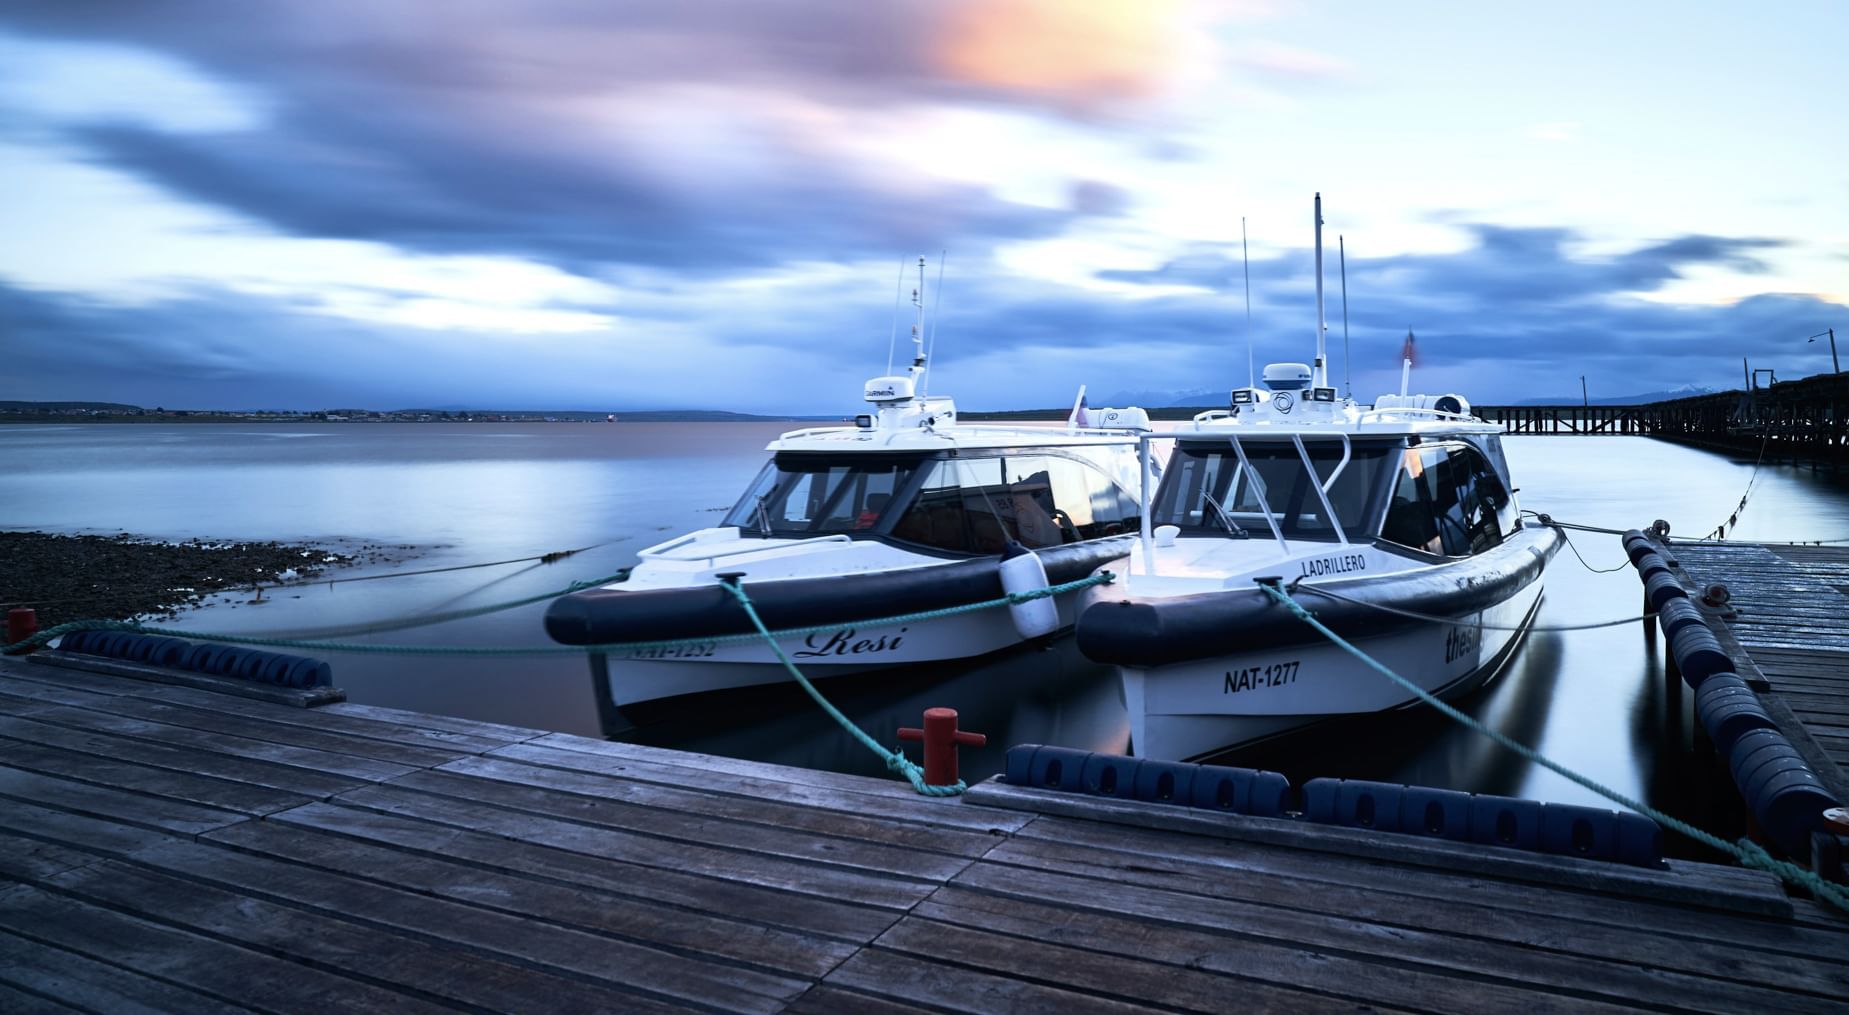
(966, 430)
(661, 550)
(1378, 415)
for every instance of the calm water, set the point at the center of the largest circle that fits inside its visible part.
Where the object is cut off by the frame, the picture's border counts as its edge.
(465, 493)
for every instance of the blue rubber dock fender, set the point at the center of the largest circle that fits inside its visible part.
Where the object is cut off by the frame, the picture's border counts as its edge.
(1058, 768)
(1440, 813)
(1571, 830)
(1698, 655)
(1790, 807)
(1356, 803)
(1240, 790)
(1676, 614)
(1110, 775)
(1166, 782)
(1728, 716)
(1660, 588)
(1505, 821)
(1018, 764)
(1651, 564)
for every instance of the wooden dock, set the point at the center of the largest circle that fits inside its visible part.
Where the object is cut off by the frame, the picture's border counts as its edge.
(170, 847)
(1787, 627)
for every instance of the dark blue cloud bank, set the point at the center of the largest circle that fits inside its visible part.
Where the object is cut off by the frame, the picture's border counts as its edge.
(446, 135)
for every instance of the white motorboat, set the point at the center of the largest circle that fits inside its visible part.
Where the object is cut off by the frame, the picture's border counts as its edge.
(1396, 524)
(908, 510)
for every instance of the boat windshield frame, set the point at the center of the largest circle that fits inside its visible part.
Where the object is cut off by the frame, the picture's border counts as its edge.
(762, 512)
(1350, 496)
(1029, 499)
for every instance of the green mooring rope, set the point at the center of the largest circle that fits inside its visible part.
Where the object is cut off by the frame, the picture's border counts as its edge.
(1745, 850)
(895, 759)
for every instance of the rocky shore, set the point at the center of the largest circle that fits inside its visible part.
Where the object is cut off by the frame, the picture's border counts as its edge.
(117, 577)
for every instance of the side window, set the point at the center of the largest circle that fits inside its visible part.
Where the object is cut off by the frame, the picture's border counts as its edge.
(936, 517)
(1410, 517)
(1447, 501)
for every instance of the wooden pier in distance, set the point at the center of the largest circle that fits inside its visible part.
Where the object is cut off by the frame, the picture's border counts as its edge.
(174, 847)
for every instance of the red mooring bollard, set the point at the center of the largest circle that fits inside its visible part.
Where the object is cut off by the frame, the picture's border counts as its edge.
(21, 623)
(941, 737)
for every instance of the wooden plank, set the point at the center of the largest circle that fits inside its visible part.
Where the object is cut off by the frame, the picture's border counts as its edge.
(395, 962)
(104, 836)
(345, 721)
(364, 769)
(1098, 973)
(677, 888)
(26, 859)
(854, 794)
(305, 697)
(1558, 871)
(895, 789)
(862, 887)
(167, 783)
(234, 725)
(904, 978)
(433, 721)
(859, 823)
(14, 1001)
(825, 1000)
(492, 852)
(312, 785)
(458, 927)
(1267, 964)
(116, 805)
(1517, 914)
(709, 933)
(226, 972)
(1401, 947)
(694, 829)
(97, 986)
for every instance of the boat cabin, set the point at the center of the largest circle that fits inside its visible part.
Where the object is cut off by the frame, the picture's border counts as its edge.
(1435, 496)
(962, 503)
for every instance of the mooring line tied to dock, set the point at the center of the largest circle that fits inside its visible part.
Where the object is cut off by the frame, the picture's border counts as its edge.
(1745, 850)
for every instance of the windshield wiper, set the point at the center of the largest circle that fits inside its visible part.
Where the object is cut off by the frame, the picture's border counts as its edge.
(1232, 527)
(762, 516)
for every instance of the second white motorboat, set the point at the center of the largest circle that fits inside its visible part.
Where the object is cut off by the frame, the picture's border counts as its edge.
(1396, 524)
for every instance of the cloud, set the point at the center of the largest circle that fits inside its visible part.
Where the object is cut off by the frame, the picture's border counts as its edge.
(1278, 61)
(707, 137)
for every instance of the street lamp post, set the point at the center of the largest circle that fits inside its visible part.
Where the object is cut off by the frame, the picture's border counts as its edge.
(1835, 367)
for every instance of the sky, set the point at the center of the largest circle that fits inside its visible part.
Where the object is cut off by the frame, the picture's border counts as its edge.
(577, 204)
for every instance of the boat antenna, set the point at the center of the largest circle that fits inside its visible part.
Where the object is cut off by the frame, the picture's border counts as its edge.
(937, 305)
(1320, 377)
(918, 342)
(1246, 254)
(1348, 381)
(898, 289)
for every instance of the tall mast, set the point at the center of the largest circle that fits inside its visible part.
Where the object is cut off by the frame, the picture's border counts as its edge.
(1246, 255)
(1319, 376)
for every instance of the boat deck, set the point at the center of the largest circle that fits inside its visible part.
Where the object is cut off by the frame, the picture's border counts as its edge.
(172, 847)
(1790, 623)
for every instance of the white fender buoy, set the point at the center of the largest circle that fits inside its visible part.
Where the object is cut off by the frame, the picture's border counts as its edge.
(1023, 572)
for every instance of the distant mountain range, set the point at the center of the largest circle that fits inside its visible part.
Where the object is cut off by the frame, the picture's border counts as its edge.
(1645, 398)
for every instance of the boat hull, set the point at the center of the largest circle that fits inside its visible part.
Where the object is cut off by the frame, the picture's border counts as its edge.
(849, 649)
(717, 649)
(1208, 672)
(1185, 711)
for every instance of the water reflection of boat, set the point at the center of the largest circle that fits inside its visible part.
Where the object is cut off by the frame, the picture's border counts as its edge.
(907, 511)
(1406, 506)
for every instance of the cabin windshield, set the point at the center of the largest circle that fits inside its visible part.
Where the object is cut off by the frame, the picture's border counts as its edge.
(800, 496)
(1206, 490)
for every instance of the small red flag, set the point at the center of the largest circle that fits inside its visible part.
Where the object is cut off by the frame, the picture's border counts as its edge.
(1407, 349)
